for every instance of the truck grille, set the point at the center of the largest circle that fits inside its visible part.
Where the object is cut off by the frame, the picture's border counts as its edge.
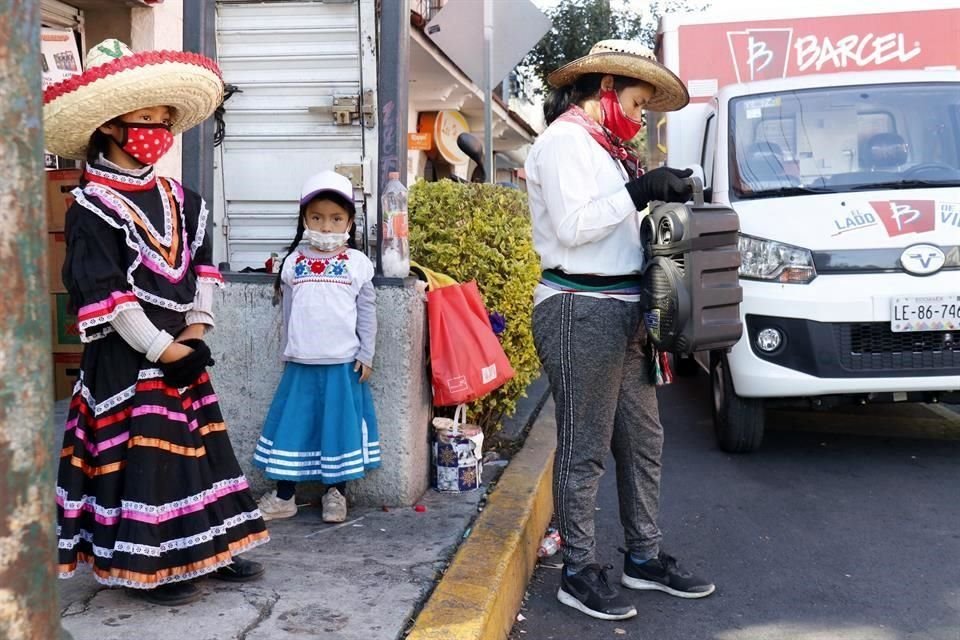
(873, 346)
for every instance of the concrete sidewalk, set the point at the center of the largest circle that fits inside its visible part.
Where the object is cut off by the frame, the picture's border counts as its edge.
(363, 580)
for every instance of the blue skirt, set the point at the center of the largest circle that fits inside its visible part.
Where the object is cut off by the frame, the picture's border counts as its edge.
(321, 426)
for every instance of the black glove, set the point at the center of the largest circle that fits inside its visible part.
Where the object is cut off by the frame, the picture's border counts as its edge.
(186, 370)
(663, 184)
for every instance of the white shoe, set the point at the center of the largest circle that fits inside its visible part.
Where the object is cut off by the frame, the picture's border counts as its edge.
(334, 506)
(273, 508)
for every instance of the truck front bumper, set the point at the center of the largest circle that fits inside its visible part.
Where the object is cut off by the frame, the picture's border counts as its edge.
(837, 339)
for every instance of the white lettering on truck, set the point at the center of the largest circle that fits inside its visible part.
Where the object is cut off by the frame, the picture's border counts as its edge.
(758, 50)
(860, 51)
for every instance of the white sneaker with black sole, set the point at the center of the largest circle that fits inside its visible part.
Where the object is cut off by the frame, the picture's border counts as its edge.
(590, 591)
(663, 573)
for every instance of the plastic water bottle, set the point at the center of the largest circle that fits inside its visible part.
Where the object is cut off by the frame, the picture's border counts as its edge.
(396, 241)
(550, 544)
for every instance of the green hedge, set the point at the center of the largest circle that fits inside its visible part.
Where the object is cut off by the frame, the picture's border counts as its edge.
(482, 232)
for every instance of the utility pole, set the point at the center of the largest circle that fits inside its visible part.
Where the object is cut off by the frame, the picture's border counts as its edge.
(393, 62)
(28, 591)
(488, 83)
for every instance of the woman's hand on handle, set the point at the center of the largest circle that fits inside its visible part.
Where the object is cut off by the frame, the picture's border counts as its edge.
(663, 184)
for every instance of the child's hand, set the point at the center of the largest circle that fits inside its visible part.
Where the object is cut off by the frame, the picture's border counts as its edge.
(192, 332)
(365, 371)
(174, 352)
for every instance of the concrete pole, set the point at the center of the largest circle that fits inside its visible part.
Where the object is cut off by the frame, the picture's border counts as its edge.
(488, 83)
(28, 592)
(200, 36)
(393, 64)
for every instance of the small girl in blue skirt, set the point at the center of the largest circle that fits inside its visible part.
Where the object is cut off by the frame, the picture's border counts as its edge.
(321, 425)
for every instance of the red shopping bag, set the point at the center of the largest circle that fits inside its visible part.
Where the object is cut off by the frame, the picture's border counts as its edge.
(465, 355)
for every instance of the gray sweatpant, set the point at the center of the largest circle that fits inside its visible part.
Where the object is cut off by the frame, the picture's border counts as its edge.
(593, 352)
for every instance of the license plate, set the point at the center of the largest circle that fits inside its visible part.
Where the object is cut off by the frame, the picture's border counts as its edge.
(927, 313)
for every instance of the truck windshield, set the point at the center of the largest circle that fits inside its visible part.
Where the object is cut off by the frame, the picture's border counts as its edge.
(844, 139)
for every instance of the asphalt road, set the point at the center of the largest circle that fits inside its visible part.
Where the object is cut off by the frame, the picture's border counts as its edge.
(829, 532)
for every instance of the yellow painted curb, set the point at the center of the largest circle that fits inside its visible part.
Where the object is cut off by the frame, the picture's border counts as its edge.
(480, 594)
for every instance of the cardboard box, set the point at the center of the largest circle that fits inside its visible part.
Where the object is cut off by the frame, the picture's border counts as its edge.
(66, 334)
(59, 185)
(56, 254)
(66, 369)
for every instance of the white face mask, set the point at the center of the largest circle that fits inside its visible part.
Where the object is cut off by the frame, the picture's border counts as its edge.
(325, 241)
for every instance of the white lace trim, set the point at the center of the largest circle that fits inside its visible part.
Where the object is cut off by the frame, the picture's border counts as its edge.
(165, 546)
(201, 228)
(84, 535)
(83, 325)
(124, 177)
(202, 497)
(135, 246)
(190, 575)
(113, 198)
(76, 505)
(167, 238)
(116, 399)
(102, 332)
(86, 204)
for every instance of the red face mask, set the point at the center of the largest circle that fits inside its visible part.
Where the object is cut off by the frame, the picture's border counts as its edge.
(614, 119)
(146, 143)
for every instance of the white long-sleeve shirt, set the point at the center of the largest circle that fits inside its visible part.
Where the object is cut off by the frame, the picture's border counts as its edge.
(584, 221)
(329, 307)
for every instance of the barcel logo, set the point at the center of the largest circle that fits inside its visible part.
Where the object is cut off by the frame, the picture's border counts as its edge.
(762, 54)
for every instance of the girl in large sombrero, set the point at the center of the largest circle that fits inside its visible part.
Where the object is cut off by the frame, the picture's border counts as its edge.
(149, 491)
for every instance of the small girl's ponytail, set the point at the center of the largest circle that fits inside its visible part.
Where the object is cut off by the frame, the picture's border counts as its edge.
(352, 240)
(293, 246)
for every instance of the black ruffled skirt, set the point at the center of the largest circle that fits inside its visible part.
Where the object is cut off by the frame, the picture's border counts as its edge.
(149, 490)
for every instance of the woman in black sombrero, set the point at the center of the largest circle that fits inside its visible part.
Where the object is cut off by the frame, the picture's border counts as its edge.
(149, 491)
(585, 191)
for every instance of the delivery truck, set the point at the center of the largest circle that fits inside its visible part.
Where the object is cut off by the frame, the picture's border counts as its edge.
(835, 136)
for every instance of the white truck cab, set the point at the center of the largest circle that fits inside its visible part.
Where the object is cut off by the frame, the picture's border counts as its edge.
(847, 186)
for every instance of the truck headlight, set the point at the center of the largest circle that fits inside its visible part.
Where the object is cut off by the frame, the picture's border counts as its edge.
(775, 262)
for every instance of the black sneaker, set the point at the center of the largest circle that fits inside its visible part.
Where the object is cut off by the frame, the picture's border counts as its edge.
(589, 591)
(239, 570)
(663, 573)
(169, 595)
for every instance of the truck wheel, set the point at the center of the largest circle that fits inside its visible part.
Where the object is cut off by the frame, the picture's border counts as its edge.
(685, 366)
(738, 422)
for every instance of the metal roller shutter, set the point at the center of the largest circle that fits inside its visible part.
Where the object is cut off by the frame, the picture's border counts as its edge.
(291, 60)
(58, 14)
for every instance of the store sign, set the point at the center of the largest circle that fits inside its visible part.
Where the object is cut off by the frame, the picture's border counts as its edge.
(446, 129)
(419, 141)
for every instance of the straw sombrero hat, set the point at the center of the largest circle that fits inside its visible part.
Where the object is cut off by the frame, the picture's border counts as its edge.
(630, 59)
(117, 81)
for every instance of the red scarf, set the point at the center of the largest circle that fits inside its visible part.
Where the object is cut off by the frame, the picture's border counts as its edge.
(612, 144)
